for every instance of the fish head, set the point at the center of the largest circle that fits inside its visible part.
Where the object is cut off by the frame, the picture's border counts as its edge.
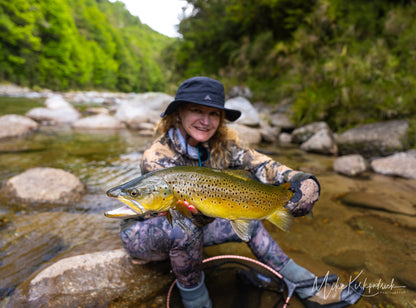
(145, 194)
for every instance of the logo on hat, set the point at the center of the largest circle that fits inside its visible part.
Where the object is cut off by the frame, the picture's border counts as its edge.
(207, 98)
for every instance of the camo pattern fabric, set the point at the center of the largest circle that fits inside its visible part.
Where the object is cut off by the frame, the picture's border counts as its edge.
(155, 240)
(166, 152)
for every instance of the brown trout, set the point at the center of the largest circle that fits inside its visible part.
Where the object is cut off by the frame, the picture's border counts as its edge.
(229, 194)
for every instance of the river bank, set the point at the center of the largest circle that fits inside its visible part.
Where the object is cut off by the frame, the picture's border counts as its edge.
(363, 225)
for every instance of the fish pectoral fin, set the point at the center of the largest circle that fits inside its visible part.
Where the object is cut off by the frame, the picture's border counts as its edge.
(181, 207)
(178, 218)
(243, 228)
(169, 218)
(282, 219)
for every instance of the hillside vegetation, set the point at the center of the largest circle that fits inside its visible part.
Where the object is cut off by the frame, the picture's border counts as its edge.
(343, 62)
(78, 44)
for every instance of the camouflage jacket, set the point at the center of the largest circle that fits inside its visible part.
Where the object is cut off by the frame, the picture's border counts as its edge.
(166, 151)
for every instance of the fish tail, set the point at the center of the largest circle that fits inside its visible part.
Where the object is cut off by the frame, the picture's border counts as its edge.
(281, 219)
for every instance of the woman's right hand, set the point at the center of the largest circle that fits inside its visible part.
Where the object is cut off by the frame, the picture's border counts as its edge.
(197, 217)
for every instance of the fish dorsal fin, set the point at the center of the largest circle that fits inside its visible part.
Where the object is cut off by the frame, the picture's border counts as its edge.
(241, 174)
(281, 218)
(243, 228)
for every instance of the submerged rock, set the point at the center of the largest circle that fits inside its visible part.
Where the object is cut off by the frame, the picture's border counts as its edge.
(13, 125)
(99, 279)
(45, 185)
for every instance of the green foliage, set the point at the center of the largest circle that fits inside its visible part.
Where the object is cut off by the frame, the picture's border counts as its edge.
(78, 44)
(343, 62)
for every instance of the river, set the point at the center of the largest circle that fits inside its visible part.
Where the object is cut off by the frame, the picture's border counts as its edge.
(354, 232)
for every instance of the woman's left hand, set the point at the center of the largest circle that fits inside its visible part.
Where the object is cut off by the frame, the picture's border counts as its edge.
(305, 194)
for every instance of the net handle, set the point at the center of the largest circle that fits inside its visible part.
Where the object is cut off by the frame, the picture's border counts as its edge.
(235, 257)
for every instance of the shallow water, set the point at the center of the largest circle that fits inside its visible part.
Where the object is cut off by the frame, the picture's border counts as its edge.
(370, 240)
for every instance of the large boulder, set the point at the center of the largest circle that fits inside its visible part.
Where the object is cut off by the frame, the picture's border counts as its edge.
(45, 185)
(13, 125)
(376, 139)
(249, 114)
(322, 142)
(281, 120)
(143, 108)
(99, 121)
(99, 279)
(57, 111)
(303, 133)
(401, 164)
(247, 135)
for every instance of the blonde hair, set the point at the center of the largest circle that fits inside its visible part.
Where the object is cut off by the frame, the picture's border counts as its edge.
(219, 144)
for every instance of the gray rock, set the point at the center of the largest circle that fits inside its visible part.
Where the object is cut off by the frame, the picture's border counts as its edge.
(100, 279)
(249, 114)
(13, 125)
(322, 142)
(301, 134)
(376, 139)
(401, 164)
(45, 185)
(240, 91)
(285, 138)
(99, 121)
(350, 165)
(268, 133)
(281, 120)
(57, 111)
(143, 108)
(247, 134)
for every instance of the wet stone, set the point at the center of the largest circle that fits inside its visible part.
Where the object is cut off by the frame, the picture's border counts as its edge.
(407, 276)
(346, 259)
(44, 185)
(379, 201)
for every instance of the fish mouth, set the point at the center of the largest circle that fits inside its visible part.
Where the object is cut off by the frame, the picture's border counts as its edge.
(121, 212)
(131, 209)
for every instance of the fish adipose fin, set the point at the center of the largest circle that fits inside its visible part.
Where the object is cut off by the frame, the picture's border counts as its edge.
(243, 228)
(281, 219)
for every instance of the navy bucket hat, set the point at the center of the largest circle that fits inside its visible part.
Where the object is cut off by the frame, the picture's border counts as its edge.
(203, 91)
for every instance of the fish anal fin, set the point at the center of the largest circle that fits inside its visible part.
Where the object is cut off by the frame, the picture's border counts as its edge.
(243, 228)
(282, 219)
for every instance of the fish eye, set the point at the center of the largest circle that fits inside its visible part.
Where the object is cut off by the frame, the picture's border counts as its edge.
(134, 193)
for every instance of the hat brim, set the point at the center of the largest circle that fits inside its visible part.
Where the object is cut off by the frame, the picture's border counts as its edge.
(230, 114)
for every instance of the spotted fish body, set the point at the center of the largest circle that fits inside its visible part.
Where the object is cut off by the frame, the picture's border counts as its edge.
(228, 194)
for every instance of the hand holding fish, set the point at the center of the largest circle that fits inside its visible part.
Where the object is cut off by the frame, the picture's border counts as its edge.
(305, 193)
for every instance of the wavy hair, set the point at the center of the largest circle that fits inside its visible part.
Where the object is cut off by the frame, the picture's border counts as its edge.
(219, 144)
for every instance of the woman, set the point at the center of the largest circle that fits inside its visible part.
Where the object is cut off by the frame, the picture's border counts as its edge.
(194, 132)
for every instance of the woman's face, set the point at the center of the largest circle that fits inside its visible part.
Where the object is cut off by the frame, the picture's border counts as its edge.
(199, 122)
